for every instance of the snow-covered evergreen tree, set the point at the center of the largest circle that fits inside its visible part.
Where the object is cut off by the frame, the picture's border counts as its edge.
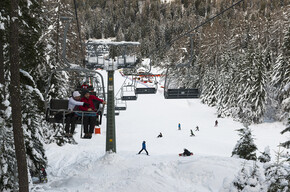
(277, 175)
(8, 169)
(31, 123)
(281, 75)
(248, 179)
(255, 180)
(209, 85)
(240, 180)
(286, 144)
(265, 156)
(245, 147)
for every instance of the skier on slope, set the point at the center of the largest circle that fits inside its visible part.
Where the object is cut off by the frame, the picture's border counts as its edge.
(216, 123)
(160, 135)
(143, 148)
(191, 133)
(179, 126)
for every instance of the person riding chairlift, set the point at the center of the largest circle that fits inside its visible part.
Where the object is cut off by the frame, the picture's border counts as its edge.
(89, 119)
(85, 86)
(71, 117)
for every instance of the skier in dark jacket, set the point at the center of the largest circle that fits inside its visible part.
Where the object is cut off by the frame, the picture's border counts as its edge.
(160, 135)
(216, 123)
(191, 133)
(143, 148)
(186, 152)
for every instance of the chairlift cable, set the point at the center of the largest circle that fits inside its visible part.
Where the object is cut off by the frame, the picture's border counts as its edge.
(78, 26)
(194, 29)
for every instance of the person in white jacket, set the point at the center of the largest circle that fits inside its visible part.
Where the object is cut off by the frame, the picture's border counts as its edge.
(70, 118)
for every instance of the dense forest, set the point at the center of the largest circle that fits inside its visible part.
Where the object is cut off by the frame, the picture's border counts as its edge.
(241, 59)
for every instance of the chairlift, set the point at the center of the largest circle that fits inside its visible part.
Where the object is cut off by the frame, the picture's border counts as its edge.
(102, 50)
(180, 92)
(146, 85)
(120, 105)
(128, 93)
(60, 106)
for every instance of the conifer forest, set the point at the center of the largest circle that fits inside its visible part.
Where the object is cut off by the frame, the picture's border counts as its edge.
(240, 61)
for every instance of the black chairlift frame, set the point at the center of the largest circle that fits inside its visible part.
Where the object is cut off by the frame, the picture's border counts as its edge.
(101, 47)
(146, 90)
(181, 93)
(120, 105)
(61, 105)
(128, 88)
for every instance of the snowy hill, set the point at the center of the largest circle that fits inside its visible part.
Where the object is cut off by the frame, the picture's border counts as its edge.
(86, 167)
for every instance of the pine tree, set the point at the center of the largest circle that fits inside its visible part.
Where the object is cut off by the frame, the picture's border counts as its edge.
(265, 156)
(286, 144)
(8, 169)
(281, 74)
(14, 90)
(248, 180)
(240, 180)
(245, 147)
(278, 175)
(224, 90)
(209, 88)
(31, 121)
(8, 178)
(255, 179)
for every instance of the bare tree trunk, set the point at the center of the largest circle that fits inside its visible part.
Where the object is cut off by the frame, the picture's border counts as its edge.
(2, 77)
(15, 99)
(2, 80)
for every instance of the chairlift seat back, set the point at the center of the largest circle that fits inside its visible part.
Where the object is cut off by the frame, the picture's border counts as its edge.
(181, 93)
(58, 104)
(119, 108)
(129, 98)
(146, 90)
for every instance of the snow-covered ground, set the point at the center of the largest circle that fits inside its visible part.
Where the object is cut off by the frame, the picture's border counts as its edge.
(86, 166)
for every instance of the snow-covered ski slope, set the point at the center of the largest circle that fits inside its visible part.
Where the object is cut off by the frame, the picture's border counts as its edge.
(86, 166)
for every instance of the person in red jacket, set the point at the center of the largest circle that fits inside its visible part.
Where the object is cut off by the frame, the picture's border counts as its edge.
(89, 118)
(85, 86)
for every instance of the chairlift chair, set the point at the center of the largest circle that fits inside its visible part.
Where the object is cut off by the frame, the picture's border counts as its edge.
(178, 93)
(120, 105)
(102, 52)
(148, 86)
(181, 92)
(60, 106)
(127, 93)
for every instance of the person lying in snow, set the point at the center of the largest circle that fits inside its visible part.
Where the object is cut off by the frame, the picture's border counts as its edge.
(185, 153)
(160, 135)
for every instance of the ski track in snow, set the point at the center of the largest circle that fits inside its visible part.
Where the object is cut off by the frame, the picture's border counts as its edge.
(86, 166)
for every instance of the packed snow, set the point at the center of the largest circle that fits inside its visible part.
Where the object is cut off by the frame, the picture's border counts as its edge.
(87, 167)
